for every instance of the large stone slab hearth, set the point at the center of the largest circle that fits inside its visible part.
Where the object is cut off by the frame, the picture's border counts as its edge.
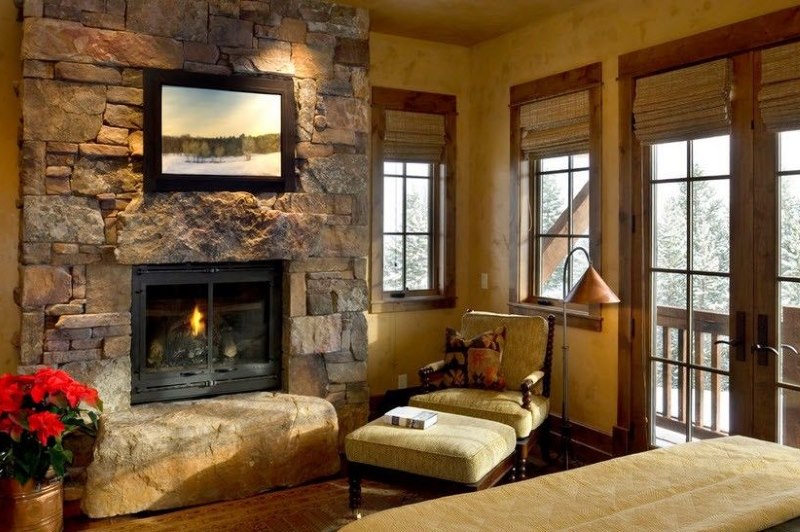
(168, 455)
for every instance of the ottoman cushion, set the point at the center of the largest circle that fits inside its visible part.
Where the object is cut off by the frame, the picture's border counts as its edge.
(457, 448)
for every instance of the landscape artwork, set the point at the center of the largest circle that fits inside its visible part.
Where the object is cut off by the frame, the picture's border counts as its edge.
(220, 132)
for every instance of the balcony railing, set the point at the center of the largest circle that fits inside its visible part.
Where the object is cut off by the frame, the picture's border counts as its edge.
(709, 375)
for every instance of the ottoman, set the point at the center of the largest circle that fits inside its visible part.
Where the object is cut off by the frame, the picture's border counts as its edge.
(474, 453)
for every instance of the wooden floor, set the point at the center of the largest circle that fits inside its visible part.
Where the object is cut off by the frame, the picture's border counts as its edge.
(322, 506)
(318, 507)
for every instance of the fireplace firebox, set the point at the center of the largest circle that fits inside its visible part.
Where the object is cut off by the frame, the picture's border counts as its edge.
(202, 330)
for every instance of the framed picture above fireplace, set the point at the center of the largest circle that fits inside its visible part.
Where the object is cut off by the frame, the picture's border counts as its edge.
(206, 132)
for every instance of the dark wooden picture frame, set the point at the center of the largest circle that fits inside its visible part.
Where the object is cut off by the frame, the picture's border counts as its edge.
(209, 151)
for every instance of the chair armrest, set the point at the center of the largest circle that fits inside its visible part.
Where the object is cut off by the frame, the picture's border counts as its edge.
(527, 387)
(426, 372)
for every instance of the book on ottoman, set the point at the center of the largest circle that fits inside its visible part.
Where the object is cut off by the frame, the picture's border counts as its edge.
(409, 416)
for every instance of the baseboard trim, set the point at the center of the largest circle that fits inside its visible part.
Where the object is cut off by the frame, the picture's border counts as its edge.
(588, 443)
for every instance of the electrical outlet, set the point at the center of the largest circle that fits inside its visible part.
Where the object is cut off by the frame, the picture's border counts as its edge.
(485, 281)
(402, 381)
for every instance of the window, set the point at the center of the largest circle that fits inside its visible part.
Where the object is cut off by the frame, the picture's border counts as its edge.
(413, 188)
(555, 138)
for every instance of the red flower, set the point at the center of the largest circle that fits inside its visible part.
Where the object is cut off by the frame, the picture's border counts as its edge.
(11, 394)
(49, 381)
(9, 426)
(76, 392)
(45, 424)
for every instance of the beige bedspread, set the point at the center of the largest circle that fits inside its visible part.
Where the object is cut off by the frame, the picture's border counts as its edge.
(732, 483)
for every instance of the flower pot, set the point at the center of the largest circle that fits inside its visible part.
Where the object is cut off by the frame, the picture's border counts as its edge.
(31, 507)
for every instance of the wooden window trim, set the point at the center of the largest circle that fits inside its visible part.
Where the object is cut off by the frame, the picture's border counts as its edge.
(443, 294)
(630, 434)
(584, 78)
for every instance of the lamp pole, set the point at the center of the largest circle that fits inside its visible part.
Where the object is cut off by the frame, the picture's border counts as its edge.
(566, 426)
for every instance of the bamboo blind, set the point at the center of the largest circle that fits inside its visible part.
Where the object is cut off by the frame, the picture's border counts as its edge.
(555, 126)
(682, 104)
(779, 95)
(414, 136)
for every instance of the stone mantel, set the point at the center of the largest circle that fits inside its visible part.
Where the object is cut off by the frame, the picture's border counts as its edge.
(86, 221)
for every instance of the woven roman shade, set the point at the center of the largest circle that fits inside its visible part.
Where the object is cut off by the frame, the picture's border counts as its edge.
(555, 126)
(689, 103)
(779, 95)
(414, 136)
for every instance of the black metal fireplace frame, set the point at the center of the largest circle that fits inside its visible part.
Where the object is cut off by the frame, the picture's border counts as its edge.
(147, 388)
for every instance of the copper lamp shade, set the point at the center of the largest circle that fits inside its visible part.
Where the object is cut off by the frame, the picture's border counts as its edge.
(591, 289)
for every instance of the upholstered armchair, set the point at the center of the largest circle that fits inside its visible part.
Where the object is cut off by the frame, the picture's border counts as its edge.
(524, 404)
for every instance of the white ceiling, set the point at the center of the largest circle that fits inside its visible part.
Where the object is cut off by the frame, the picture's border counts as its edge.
(464, 22)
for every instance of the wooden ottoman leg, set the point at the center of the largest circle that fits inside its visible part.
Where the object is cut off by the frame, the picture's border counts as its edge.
(354, 482)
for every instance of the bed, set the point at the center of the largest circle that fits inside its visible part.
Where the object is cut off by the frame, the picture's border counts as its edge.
(732, 483)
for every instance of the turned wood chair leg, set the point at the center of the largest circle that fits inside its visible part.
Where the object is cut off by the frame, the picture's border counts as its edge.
(354, 482)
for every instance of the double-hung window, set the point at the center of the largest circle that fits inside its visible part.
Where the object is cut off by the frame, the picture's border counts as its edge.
(555, 139)
(413, 189)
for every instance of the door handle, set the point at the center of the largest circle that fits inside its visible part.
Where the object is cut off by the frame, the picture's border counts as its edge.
(767, 348)
(737, 343)
(762, 339)
(791, 348)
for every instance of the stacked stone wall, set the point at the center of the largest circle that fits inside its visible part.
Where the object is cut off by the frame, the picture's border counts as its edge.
(86, 221)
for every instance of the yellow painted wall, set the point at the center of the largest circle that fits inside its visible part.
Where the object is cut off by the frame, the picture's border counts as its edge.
(401, 342)
(597, 31)
(481, 76)
(10, 35)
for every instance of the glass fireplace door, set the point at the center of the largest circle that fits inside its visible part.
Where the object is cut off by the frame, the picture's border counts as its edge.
(202, 331)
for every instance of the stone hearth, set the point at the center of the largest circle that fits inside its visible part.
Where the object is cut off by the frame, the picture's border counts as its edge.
(195, 452)
(86, 221)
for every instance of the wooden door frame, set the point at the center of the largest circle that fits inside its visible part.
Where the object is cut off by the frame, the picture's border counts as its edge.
(631, 432)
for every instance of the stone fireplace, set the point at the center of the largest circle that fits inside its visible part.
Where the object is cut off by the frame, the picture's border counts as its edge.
(86, 223)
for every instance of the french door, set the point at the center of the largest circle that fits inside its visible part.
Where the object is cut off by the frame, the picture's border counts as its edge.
(723, 276)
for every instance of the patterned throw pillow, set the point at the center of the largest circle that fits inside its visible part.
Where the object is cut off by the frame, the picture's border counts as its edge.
(455, 361)
(484, 355)
(474, 363)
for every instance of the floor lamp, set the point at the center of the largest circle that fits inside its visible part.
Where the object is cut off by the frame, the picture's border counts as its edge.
(591, 289)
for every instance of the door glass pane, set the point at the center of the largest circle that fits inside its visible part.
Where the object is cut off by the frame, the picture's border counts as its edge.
(790, 225)
(672, 321)
(392, 263)
(670, 402)
(418, 262)
(392, 204)
(669, 200)
(711, 400)
(554, 192)
(790, 332)
(789, 417)
(669, 160)
(789, 145)
(710, 225)
(710, 310)
(417, 205)
(711, 156)
(551, 266)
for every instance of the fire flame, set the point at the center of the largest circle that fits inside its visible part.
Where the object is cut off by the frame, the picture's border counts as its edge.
(197, 322)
